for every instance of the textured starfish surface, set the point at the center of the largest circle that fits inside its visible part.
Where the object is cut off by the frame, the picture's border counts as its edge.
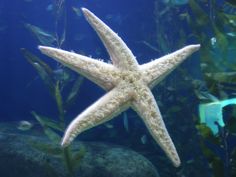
(127, 83)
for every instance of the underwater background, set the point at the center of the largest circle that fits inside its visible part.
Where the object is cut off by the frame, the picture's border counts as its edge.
(39, 97)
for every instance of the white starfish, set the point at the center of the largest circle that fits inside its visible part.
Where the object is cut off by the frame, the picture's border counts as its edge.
(128, 84)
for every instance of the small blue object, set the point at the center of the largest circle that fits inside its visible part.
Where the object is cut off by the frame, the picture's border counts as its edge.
(175, 2)
(211, 113)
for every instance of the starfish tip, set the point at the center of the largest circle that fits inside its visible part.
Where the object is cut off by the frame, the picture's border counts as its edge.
(39, 47)
(64, 144)
(177, 164)
(42, 48)
(85, 11)
(196, 46)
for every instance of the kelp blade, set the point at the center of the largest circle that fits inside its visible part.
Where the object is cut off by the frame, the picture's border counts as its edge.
(53, 136)
(74, 91)
(44, 71)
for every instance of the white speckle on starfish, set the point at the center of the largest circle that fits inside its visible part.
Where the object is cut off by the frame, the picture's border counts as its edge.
(128, 84)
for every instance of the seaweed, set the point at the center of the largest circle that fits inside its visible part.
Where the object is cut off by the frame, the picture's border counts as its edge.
(56, 80)
(215, 30)
(211, 29)
(53, 128)
(216, 149)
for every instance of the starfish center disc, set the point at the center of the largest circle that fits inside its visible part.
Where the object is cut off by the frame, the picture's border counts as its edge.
(130, 77)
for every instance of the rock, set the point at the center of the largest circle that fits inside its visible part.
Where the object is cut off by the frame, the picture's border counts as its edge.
(20, 155)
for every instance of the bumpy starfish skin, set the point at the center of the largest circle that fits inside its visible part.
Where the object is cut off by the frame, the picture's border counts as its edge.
(128, 85)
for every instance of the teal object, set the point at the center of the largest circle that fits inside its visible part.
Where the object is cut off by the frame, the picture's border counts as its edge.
(212, 112)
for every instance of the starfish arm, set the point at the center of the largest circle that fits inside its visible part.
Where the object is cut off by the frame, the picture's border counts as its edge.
(120, 54)
(97, 71)
(108, 106)
(145, 105)
(158, 69)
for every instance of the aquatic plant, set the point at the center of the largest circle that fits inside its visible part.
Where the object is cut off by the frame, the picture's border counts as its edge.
(54, 128)
(218, 149)
(58, 36)
(215, 30)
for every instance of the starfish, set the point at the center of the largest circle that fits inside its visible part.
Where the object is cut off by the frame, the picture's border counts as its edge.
(127, 83)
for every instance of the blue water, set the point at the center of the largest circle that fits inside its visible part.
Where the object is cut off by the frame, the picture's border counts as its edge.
(22, 91)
